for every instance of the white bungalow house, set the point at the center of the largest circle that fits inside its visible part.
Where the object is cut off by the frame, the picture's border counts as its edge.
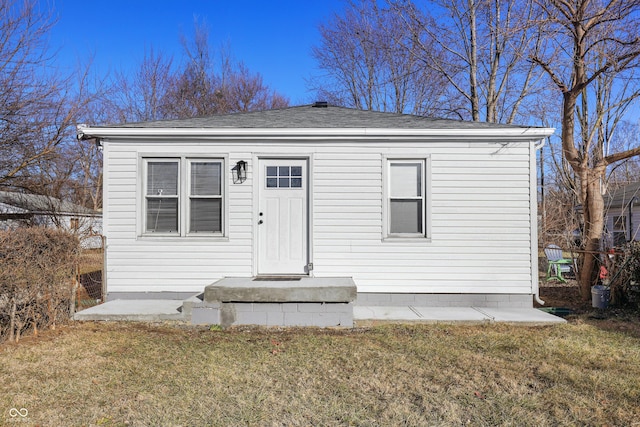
(309, 210)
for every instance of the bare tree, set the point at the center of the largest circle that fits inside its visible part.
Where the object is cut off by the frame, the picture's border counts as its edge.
(370, 63)
(204, 86)
(590, 53)
(142, 96)
(38, 107)
(245, 91)
(201, 82)
(479, 47)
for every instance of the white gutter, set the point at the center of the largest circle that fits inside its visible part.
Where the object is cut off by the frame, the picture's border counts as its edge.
(320, 133)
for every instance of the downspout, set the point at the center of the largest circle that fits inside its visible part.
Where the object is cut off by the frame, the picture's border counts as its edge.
(631, 231)
(536, 294)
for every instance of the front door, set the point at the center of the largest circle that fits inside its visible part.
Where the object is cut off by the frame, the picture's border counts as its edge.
(282, 217)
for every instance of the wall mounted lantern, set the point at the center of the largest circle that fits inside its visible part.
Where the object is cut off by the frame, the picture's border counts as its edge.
(240, 172)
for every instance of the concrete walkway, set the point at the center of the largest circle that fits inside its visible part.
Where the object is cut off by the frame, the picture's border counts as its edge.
(147, 310)
(528, 316)
(161, 310)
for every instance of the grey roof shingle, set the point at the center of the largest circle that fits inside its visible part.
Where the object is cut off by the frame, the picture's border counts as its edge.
(308, 116)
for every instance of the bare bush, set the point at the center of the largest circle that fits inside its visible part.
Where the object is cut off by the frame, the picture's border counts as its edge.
(36, 279)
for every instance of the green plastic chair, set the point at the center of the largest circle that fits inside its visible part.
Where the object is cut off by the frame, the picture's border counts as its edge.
(557, 264)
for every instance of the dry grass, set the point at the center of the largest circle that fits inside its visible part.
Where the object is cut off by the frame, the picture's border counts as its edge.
(164, 375)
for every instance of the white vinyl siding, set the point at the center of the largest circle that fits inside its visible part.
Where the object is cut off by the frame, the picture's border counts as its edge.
(478, 206)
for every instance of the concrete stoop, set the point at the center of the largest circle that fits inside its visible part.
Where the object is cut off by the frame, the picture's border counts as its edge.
(322, 302)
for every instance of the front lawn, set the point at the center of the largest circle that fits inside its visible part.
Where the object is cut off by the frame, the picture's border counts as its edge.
(121, 374)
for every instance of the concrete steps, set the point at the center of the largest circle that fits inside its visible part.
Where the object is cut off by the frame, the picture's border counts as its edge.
(300, 301)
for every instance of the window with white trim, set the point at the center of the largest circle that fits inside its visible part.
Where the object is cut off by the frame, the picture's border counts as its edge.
(183, 196)
(406, 198)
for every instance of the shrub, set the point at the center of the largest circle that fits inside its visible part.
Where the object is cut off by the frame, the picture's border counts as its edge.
(36, 279)
(625, 285)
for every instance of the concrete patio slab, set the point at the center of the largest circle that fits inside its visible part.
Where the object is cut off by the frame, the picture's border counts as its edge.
(134, 310)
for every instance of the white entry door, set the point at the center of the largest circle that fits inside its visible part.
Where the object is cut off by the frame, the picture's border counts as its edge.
(282, 217)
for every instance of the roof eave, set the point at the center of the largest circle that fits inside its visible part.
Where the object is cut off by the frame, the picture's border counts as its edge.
(529, 134)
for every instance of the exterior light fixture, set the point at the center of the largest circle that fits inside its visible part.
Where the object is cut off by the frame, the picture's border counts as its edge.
(240, 172)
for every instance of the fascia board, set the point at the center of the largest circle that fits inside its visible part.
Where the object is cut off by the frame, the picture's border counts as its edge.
(511, 134)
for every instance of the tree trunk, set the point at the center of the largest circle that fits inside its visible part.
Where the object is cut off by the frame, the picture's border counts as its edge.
(593, 205)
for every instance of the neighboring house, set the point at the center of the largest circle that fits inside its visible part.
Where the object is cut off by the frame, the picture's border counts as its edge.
(19, 209)
(622, 218)
(412, 210)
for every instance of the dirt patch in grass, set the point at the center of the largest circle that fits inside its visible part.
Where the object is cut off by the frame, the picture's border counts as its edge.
(117, 374)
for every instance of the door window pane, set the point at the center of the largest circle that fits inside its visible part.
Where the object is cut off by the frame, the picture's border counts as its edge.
(284, 177)
(283, 182)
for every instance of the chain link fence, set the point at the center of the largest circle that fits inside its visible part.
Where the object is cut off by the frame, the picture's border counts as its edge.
(90, 274)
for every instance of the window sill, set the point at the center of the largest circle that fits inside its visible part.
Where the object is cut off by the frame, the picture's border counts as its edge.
(187, 238)
(406, 239)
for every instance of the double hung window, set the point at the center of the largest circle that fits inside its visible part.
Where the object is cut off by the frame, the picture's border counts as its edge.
(183, 196)
(406, 198)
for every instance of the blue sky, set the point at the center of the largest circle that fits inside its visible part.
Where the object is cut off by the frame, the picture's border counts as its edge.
(272, 37)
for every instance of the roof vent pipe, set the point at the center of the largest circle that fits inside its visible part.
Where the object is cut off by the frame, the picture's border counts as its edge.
(320, 104)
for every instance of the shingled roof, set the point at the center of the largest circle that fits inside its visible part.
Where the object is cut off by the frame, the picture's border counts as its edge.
(39, 204)
(318, 115)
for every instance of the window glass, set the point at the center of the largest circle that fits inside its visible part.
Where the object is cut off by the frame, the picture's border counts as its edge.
(162, 179)
(405, 179)
(284, 177)
(406, 216)
(162, 215)
(206, 215)
(206, 178)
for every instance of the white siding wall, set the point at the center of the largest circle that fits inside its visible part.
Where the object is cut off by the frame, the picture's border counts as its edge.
(480, 219)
